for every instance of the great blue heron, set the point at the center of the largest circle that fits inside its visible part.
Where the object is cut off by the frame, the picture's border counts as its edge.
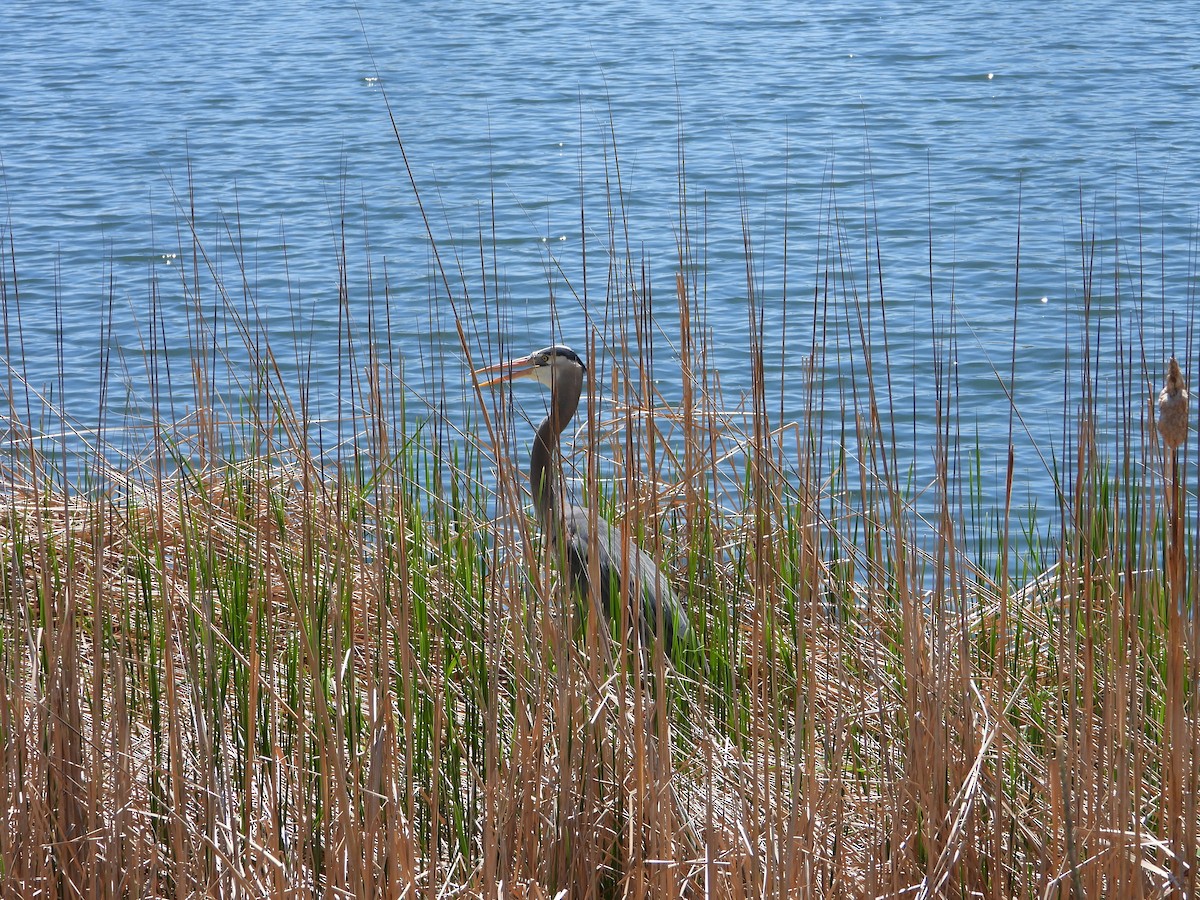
(625, 570)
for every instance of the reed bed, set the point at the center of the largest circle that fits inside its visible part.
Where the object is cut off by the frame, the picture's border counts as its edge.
(266, 650)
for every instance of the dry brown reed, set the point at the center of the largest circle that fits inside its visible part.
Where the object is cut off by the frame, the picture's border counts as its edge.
(276, 673)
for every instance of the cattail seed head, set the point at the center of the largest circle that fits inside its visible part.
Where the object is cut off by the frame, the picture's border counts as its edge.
(1173, 408)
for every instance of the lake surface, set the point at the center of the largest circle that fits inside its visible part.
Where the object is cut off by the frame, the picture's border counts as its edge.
(938, 130)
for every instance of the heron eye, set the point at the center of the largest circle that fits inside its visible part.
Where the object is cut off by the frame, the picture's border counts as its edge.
(544, 360)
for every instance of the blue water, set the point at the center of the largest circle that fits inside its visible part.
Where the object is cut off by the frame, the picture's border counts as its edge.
(948, 125)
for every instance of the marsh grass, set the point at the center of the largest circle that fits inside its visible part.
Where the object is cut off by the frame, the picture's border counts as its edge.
(268, 649)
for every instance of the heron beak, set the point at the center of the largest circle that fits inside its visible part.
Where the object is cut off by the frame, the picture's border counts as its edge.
(522, 367)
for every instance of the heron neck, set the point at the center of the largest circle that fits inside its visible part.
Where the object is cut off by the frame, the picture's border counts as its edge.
(542, 471)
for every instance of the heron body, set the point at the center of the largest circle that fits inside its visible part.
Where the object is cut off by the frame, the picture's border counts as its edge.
(626, 572)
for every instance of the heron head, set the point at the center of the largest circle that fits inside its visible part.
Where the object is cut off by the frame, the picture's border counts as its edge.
(546, 366)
